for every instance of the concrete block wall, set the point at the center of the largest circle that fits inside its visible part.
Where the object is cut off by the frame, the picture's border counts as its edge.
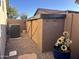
(20, 22)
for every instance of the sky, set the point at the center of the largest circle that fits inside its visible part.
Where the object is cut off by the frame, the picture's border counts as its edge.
(30, 6)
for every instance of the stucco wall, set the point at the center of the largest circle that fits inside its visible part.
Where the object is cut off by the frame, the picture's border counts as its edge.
(71, 25)
(3, 23)
(68, 22)
(29, 28)
(75, 36)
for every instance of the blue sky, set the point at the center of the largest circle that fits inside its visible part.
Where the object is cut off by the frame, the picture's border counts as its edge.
(30, 6)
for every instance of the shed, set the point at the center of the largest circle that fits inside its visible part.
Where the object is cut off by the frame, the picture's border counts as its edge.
(71, 25)
(45, 27)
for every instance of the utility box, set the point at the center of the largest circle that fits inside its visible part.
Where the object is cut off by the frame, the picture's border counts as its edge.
(14, 31)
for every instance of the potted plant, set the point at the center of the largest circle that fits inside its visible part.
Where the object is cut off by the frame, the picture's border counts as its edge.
(62, 47)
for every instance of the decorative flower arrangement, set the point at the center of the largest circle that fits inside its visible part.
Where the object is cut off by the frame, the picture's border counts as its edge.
(63, 43)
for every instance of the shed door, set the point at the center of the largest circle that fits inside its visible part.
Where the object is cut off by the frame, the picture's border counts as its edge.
(52, 29)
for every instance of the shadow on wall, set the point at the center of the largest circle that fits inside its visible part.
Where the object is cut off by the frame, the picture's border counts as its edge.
(2, 40)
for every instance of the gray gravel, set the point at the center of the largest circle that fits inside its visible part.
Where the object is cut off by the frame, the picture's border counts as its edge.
(23, 45)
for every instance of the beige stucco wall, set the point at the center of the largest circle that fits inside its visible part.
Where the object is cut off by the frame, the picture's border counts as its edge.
(3, 12)
(3, 23)
(68, 22)
(75, 36)
(71, 25)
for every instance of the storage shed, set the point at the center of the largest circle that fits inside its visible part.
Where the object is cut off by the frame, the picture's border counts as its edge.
(71, 25)
(45, 27)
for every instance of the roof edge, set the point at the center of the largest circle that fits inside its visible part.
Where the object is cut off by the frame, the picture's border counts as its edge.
(46, 9)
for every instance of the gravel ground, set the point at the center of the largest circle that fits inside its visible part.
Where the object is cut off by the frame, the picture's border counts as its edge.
(23, 45)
